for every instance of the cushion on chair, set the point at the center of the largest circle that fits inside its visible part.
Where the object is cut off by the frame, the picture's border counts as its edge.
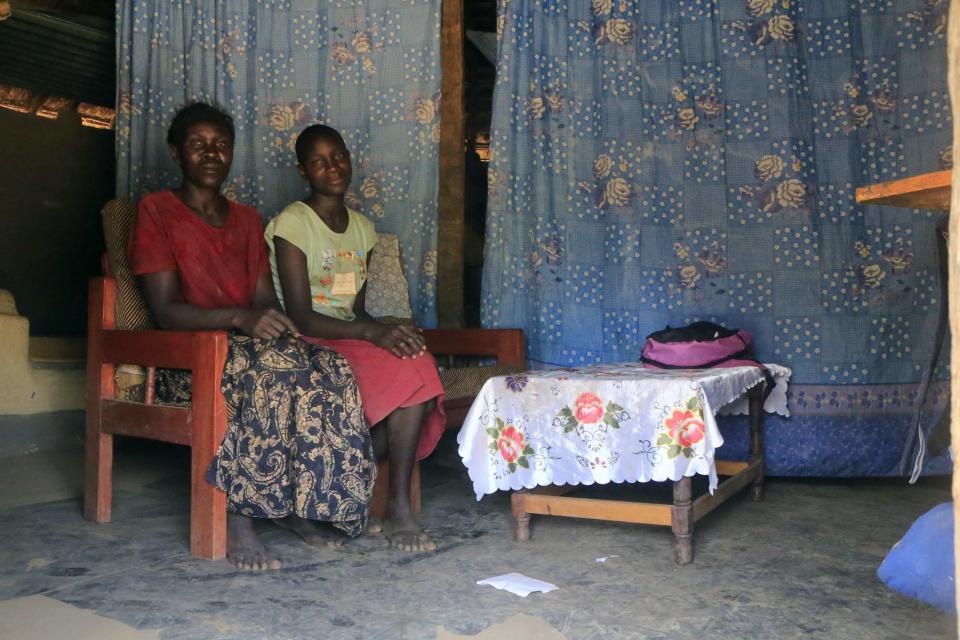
(393, 320)
(387, 293)
(131, 382)
(465, 382)
(131, 310)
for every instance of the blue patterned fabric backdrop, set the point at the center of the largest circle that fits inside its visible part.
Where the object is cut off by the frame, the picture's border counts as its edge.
(657, 163)
(369, 68)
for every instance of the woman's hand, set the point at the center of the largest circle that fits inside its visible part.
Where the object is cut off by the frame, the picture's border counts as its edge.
(265, 323)
(403, 341)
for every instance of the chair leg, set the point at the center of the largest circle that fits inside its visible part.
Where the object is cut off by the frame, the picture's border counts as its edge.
(98, 476)
(208, 504)
(208, 511)
(98, 446)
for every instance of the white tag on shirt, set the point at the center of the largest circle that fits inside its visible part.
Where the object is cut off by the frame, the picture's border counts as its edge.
(344, 284)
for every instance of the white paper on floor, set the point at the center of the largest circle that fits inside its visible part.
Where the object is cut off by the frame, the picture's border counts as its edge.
(518, 584)
(605, 558)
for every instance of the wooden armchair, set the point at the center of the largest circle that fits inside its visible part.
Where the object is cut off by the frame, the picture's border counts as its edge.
(119, 331)
(200, 426)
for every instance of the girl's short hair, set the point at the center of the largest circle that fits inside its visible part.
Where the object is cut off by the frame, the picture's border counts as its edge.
(195, 113)
(310, 135)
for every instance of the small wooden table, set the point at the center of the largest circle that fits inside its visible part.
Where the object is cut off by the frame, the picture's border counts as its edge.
(542, 434)
(680, 516)
(924, 191)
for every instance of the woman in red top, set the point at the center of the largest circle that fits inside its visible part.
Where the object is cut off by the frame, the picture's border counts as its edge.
(297, 449)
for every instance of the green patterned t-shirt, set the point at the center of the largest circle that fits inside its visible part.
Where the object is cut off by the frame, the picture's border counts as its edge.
(336, 262)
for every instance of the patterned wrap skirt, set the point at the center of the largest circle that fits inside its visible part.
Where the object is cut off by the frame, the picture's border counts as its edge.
(297, 441)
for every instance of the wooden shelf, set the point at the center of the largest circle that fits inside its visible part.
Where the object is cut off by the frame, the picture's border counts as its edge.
(926, 191)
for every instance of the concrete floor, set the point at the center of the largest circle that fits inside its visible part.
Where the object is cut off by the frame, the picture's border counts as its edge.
(799, 565)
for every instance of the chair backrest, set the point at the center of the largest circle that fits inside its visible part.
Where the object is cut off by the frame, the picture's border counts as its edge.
(387, 293)
(131, 311)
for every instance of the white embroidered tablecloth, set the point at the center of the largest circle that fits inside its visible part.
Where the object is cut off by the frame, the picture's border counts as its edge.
(605, 423)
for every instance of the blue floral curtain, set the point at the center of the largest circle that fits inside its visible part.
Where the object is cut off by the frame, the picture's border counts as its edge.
(657, 163)
(369, 68)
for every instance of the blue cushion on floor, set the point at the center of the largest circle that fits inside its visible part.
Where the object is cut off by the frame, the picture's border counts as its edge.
(921, 564)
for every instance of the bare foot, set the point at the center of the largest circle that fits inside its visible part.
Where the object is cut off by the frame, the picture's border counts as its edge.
(244, 548)
(405, 534)
(374, 525)
(315, 534)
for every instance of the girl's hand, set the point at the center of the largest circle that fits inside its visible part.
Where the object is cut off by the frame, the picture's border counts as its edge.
(403, 341)
(266, 323)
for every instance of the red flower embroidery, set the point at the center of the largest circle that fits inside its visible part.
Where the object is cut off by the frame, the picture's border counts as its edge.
(510, 443)
(588, 408)
(685, 427)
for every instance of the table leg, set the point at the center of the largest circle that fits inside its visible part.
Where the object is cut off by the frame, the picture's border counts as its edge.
(755, 400)
(521, 532)
(682, 520)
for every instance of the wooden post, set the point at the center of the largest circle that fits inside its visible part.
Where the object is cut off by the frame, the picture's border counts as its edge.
(450, 192)
(150, 393)
(682, 520)
(953, 81)
(755, 403)
(98, 446)
(208, 505)
(521, 532)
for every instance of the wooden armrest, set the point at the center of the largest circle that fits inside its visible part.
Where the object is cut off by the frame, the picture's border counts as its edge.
(505, 344)
(168, 349)
(148, 348)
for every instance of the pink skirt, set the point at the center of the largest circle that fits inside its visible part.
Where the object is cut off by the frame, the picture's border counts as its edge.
(387, 383)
